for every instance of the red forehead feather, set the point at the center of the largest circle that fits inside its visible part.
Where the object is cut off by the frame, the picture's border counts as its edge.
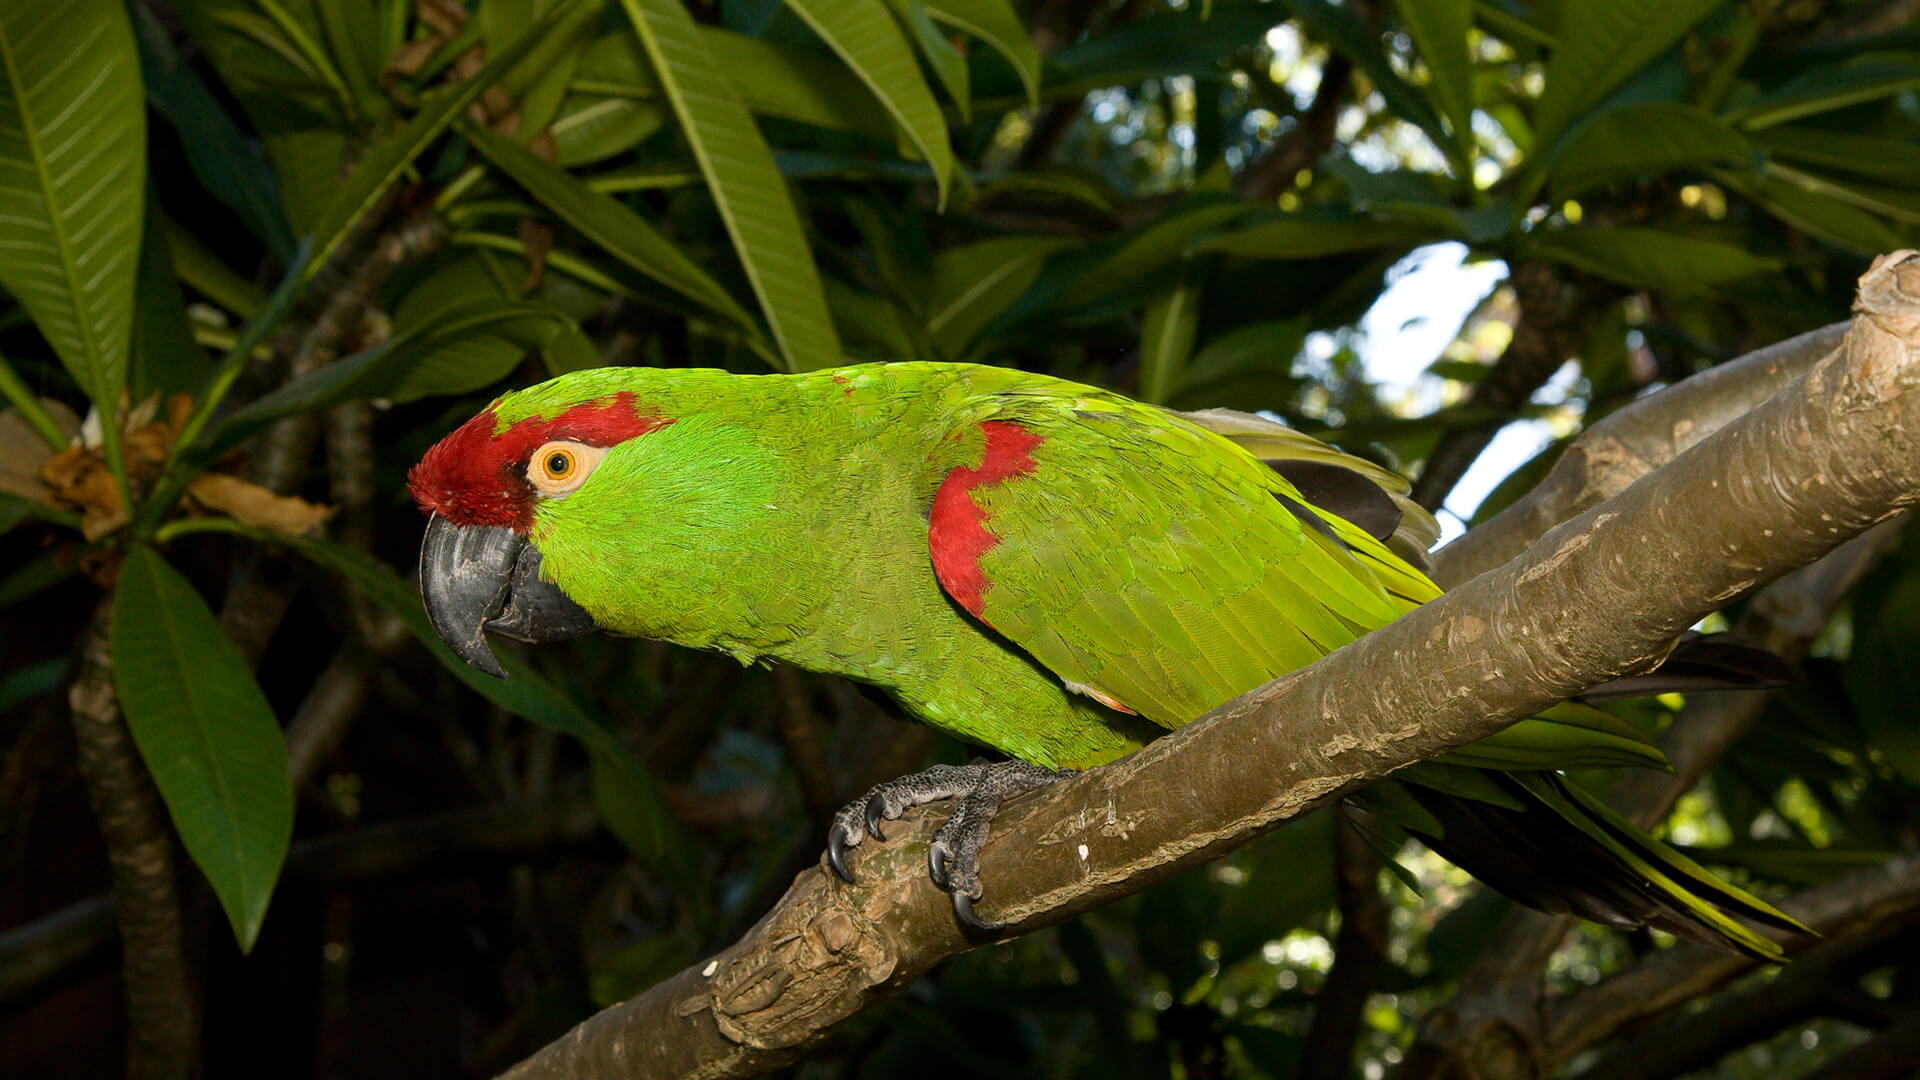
(475, 477)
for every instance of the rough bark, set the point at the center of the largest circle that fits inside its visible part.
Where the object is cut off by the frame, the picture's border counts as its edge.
(163, 1030)
(1598, 596)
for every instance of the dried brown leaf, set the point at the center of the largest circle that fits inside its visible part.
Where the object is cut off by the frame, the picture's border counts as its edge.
(251, 504)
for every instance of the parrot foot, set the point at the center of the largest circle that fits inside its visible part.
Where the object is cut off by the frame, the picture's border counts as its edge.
(953, 856)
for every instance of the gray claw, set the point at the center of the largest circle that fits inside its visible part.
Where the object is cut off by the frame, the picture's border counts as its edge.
(874, 817)
(963, 911)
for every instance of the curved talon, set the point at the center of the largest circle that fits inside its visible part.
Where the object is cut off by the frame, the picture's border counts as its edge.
(874, 818)
(837, 852)
(963, 911)
(937, 864)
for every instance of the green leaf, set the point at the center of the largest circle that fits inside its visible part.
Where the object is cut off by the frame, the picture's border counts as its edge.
(203, 271)
(746, 185)
(1815, 214)
(1172, 43)
(164, 357)
(23, 684)
(409, 366)
(974, 283)
(207, 735)
(1825, 89)
(1900, 204)
(628, 971)
(1880, 676)
(796, 84)
(654, 836)
(1650, 258)
(540, 84)
(1600, 46)
(1308, 238)
(1153, 247)
(231, 165)
(1640, 141)
(948, 63)
(607, 222)
(865, 35)
(392, 155)
(73, 144)
(591, 129)
(996, 23)
(37, 574)
(1440, 29)
(1865, 155)
(1166, 340)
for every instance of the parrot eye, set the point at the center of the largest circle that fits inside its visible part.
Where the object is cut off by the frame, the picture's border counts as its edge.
(559, 468)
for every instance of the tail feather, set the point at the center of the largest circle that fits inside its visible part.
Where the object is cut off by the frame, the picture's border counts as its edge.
(1566, 852)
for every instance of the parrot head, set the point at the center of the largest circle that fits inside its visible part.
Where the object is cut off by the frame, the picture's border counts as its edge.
(481, 487)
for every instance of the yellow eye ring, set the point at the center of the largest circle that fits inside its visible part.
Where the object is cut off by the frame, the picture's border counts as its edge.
(559, 468)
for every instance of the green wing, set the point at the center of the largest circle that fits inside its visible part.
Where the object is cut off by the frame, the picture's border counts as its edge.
(1152, 563)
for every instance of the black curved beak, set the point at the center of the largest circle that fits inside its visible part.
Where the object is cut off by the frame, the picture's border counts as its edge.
(479, 578)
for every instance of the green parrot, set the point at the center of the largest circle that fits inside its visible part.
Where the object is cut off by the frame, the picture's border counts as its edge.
(1044, 568)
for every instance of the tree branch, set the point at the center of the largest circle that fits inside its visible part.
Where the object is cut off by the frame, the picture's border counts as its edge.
(1632, 442)
(1756, 1010)
(1596, 597)
(1327, 1053)
(1673, 977)
(163, 1032)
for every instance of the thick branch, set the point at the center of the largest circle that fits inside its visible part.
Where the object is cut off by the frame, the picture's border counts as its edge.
(1784, 619)
(162, 1031)
(1598, 596)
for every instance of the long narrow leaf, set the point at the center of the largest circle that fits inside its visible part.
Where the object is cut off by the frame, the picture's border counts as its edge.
(383, 371)
(606, 221)
(747, 187)
(392, 155)
(1600, 45)
(996, 23)
(1440, 29)
(231, 165)
(73, 137)
(207, 735)
(1166, 340)
(1641, 140)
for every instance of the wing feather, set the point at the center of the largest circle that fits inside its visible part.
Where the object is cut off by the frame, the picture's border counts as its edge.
(1158, 564)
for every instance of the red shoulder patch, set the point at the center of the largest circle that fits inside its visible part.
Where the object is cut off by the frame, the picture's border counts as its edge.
(474, 477)
(957, 533)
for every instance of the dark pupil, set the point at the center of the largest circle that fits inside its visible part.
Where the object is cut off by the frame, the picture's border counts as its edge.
(557, 464)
